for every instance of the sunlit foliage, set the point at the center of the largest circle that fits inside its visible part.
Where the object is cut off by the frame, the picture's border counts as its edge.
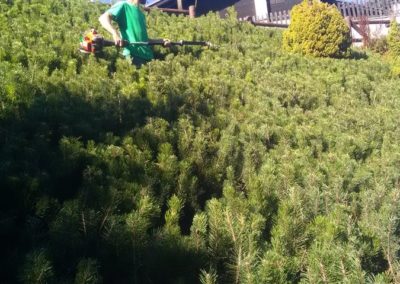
(244, 164)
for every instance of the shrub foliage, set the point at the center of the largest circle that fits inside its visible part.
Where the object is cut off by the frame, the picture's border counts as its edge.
(317, 29)
(393, 39)
(242, 165)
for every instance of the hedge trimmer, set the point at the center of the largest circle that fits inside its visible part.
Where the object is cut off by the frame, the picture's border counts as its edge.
(93, 43)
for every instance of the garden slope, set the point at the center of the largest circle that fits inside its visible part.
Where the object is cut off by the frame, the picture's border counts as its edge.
(243, 164)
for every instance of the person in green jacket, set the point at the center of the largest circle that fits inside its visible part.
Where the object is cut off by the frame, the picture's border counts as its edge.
(132, 28)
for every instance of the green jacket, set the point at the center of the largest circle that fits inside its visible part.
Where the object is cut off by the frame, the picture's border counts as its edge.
(132, 25)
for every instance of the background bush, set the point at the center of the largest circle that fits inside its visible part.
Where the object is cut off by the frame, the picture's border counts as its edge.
(245, 164)
(393, 39)
(379, 45)
(316, 29)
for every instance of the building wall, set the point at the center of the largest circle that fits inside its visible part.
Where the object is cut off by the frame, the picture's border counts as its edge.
(280, 5)
(245, 8)
(261, 7)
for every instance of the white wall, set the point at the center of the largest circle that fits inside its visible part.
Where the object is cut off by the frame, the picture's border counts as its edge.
(261, 8)
(396, 12)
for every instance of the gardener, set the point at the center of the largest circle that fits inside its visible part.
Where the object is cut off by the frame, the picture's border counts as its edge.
(132, 28)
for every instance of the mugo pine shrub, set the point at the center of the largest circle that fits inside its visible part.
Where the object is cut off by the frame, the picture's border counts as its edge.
(317, 29)
(393, 40)
(175, 173)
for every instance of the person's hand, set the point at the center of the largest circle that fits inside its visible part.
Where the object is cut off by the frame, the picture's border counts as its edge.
(117, 39)
(167, 42)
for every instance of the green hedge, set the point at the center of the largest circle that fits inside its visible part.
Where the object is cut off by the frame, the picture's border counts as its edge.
(245, 164)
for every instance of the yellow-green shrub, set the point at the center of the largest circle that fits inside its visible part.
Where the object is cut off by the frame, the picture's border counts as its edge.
(395, 65)
(394, 39)
(317, 29)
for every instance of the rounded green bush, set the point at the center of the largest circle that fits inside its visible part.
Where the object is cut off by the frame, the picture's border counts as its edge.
(317, 29)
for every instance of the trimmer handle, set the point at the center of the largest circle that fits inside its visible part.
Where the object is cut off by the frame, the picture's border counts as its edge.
(107, 42)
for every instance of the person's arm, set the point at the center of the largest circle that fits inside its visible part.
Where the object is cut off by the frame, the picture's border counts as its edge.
(105, 21)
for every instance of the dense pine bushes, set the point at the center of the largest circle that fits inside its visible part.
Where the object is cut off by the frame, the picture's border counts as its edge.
(241, 165)
(393, 40)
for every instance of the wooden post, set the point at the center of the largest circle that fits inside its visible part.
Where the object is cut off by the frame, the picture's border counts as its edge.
(342, 10)
(285, 17)
(384, 8)
(348, 22)
(192, 11)
(353, 10)
(358, 10)
(379, 8)
(368, 7)
(346, 12)
(179, 4)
